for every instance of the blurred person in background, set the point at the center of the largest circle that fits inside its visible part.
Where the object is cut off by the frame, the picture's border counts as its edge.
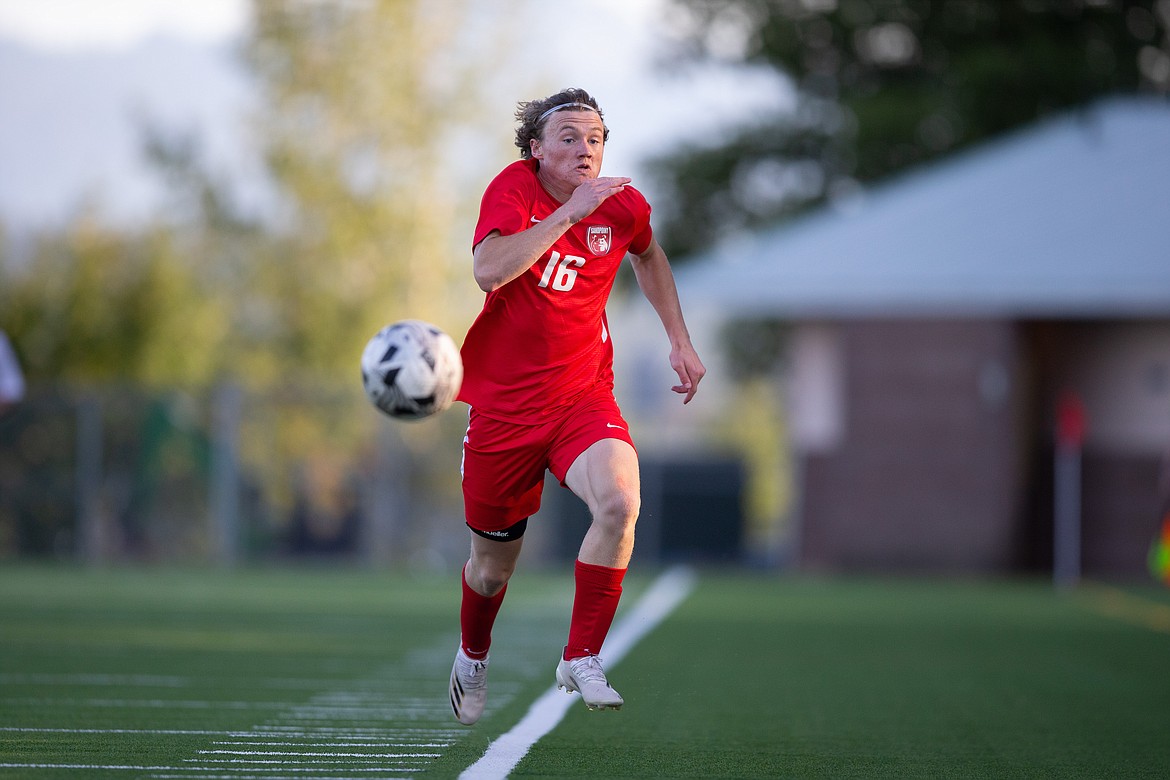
(11, 377)
(538, 375)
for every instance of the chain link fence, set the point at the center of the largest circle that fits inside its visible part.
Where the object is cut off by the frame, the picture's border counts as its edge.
(121, 473)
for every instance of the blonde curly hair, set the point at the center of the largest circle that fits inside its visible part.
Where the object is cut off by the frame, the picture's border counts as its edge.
(532, 115)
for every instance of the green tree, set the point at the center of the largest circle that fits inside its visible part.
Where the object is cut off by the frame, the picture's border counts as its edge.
(97, 305)
(362, 103)
(366, 122)
(360, 107)
(887, 84)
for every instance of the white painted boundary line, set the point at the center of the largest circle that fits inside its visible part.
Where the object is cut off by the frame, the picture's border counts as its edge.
(502, 756)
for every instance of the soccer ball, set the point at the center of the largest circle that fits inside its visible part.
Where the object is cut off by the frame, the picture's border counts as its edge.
(411, 370)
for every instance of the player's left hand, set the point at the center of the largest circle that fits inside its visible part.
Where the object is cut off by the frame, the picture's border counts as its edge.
(685, 362)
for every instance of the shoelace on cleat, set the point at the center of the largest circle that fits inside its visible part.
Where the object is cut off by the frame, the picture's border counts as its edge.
(588, 669)
(472, 675)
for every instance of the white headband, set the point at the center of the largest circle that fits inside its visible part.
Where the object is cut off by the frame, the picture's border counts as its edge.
(565, 105)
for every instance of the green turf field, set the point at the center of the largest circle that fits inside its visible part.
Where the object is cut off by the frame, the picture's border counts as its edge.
(316, 673)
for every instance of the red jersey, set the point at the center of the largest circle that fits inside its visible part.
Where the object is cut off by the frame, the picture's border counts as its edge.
(542, 339)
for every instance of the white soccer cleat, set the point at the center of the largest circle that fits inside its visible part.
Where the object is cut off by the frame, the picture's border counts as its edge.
(468, 687)
(586, 676)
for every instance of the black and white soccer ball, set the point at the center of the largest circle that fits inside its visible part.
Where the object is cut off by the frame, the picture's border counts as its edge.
(411, 370)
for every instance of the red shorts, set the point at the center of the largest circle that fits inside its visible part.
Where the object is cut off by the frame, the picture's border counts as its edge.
(504, 463)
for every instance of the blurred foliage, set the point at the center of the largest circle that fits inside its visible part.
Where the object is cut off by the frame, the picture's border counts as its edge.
(93, 304)
(361, 100)
(758, 432)
(755, 346)
(887, 84)
(362, 118)
(359, 105)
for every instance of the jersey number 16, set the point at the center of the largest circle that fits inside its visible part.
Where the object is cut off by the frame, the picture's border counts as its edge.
(565, 269)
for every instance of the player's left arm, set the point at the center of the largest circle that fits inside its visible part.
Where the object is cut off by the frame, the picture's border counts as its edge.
(656, 280)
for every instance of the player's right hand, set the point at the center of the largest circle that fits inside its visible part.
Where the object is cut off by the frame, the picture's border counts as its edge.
(591, 193)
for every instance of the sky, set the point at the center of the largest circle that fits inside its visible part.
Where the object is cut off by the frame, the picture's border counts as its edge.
(78, 77)
(69, 25)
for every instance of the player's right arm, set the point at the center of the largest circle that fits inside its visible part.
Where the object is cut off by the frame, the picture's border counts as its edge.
(498, 259)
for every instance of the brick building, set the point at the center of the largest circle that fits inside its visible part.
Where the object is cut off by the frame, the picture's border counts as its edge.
(934, 322)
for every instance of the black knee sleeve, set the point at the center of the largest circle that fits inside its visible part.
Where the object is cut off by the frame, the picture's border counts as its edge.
(509, 534)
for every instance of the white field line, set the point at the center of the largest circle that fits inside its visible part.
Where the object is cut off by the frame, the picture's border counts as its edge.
(369, 724)
(278, 732)
(386, 745)
(144, 704)
(502, 756)
(303, 733)
(180, 732)
(160, 681)
(306, 766)
(186, 772)
(310, 754)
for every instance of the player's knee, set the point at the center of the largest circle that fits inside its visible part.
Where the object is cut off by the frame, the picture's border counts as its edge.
(487, 576)
(619, 511)
(494, 583)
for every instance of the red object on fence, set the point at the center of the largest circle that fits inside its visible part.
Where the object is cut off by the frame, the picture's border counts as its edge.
(1071, 421)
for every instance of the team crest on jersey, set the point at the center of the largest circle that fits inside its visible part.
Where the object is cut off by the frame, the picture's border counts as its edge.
(600, 239)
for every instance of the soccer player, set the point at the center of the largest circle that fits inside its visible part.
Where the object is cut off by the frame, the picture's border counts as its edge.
(538, 376)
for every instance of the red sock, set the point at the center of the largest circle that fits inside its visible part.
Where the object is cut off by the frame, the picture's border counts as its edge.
(477, 615)
(599, 588)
